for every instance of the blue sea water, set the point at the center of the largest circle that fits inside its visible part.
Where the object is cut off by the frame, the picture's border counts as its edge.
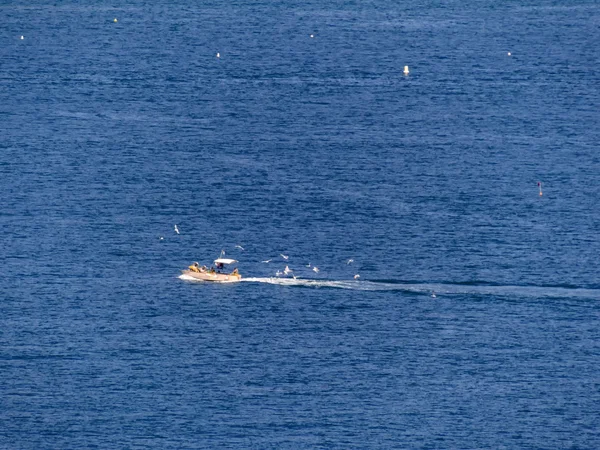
(318, 148)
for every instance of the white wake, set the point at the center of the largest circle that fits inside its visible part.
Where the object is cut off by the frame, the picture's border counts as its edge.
(437, 288)
(424, 288)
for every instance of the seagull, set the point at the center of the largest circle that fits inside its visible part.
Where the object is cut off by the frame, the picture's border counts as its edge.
(308, 265)
(240, 247)
(350, 261)
(267, 261)
(316, 269)
(278, 273)
(433, 295)
(287, 270)
(176, 229)
(356, 277)
(284, 256)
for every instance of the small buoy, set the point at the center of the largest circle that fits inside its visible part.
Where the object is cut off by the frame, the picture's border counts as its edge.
(218, 55)
(161, 238)
(406, 72)
(508, 53)
(22, 37)
(312, 35)
(115, 20)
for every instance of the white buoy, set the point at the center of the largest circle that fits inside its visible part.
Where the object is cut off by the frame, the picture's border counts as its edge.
(508, 53)
(115, 20)
(218, 55)
(406, 72)
(22, 37)
(312, 35)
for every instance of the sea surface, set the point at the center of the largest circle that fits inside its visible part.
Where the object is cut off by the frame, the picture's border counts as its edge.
(474, 322)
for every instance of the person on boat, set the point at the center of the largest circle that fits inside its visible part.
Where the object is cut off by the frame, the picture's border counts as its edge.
(212, 270)
(220, 266)
(203, 269)
(235, 272)
(194, 267)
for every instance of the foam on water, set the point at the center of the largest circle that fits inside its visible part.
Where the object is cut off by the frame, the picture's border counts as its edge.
(185, 277)
(438, 288)
(426, 288)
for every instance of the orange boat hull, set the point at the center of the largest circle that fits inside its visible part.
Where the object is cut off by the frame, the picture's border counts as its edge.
(215, 277)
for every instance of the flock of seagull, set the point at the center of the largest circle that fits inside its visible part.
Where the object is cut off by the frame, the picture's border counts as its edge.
(286, 271)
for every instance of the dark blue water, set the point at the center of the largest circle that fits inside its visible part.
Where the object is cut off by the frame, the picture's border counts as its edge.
(321, 149)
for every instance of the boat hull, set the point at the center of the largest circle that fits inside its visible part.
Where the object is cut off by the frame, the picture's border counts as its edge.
(214, 277)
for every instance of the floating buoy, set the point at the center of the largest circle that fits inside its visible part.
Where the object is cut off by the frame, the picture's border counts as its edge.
(508, 53)
(406, 72)
(218, 55)
(22, 37)
(115, 20)
(312, 35)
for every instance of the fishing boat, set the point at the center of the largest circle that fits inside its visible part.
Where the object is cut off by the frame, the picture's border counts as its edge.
(217, 274)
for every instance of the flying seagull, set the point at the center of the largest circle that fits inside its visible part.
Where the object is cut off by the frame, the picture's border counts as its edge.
(287, 270)
(356, 277)
(316, 269)
(267, 261)
(284, 256)
(176, 229)
(350, 261)
(240, 247)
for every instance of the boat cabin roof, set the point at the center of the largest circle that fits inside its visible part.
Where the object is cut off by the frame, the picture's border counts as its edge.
(224, 261)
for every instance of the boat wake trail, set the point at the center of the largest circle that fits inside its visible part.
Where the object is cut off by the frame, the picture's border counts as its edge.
(438, 288)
